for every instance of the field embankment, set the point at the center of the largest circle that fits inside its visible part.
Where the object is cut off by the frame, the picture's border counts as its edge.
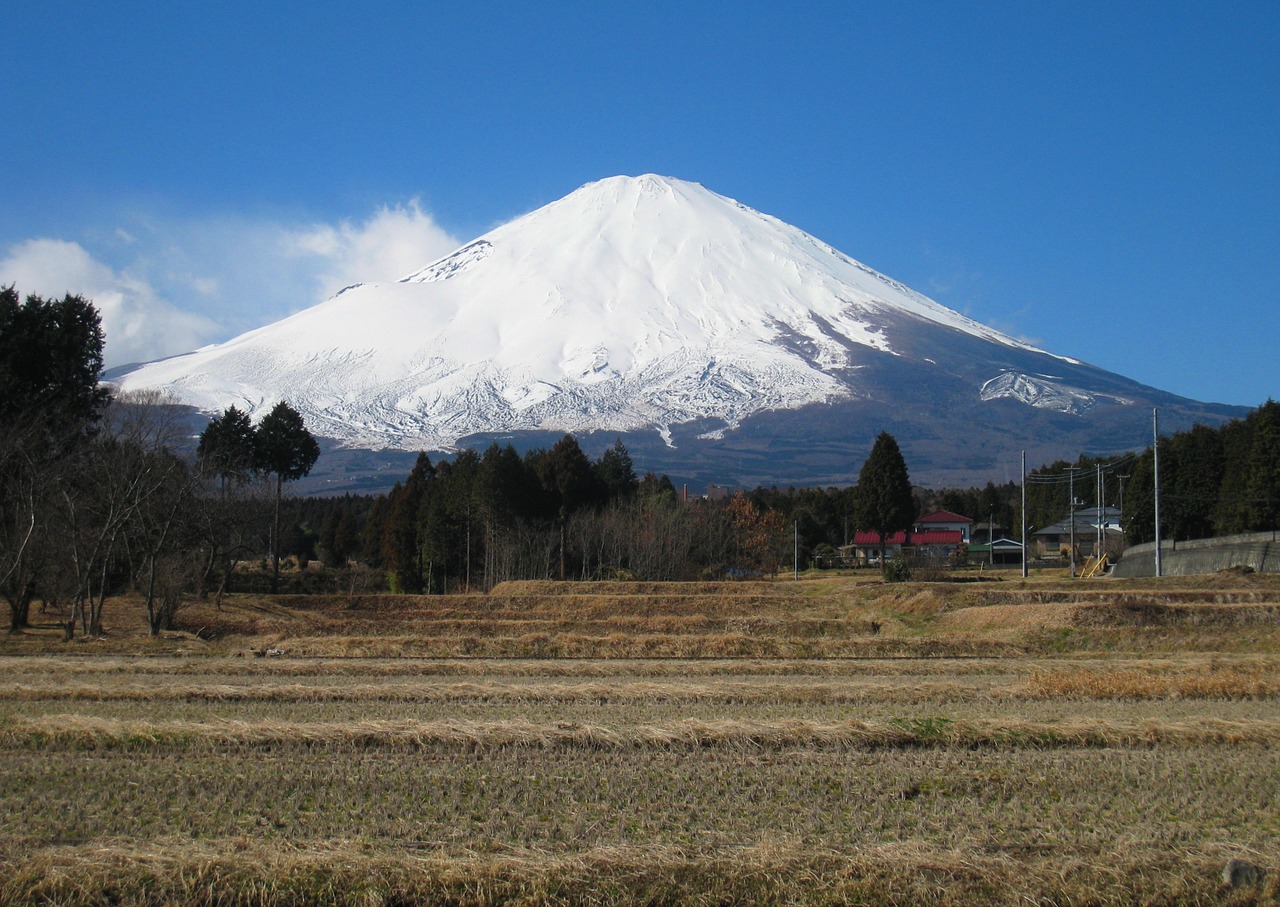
(821, 742)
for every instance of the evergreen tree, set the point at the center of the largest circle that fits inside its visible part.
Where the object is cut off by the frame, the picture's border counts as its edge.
(50, 364)
(991, 508)
(615, 473)
(1196, 482)
(50, 406)
(884, 500)
(374, 531)
(339, 534)
(284, 448)
(228, 446)
(653, 488)
(565, 473)
(346, 537)
(445, 521)
(1138, 519)
(1231, 515)
(504, 489)
(1263, 487)
(402, 549)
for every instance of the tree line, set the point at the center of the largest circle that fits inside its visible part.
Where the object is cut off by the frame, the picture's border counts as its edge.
(1213, 481)
(484, 518)
(96, 496)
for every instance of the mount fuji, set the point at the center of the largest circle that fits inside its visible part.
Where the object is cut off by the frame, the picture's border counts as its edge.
(720, 343)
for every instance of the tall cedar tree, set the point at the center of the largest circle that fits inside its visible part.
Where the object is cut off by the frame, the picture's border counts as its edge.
(50, 363)
(615, 473)
(883, 498)
(50, 403)
(227, 446)
(402, 532)
(285, 449)
(1263, 487)
(567, 476)
(1231, 511)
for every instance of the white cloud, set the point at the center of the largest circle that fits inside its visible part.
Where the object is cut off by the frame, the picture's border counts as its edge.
(138, 323)
(166, 285)
(391, 244)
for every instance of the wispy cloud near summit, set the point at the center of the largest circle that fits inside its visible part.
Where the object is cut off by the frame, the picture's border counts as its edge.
(167, 285)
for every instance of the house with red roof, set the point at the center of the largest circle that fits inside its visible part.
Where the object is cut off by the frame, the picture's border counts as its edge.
(935, 544)
(944, 520)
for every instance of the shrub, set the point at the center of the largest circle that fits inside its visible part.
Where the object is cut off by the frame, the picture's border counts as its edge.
(897, 571)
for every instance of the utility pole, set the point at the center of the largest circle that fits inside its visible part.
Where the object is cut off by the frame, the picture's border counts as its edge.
(1155, 450)
(795, 550)
(991, 539)
(1024, 514)
(1102, 533)
(1071, 510)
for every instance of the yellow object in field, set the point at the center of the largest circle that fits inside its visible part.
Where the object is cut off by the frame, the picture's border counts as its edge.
(1100, 565)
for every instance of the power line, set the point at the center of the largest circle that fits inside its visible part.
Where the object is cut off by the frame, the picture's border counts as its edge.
(1064, 478)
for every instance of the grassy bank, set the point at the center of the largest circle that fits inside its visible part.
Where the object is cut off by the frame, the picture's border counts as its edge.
(926, 744)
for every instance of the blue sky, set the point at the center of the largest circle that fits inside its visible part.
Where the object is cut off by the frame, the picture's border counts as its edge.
(1101, 178)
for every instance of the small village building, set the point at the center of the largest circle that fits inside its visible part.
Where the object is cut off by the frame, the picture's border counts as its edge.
(1056, 539)
(1000, 553)
(946, 521)
(719, 492)
(937, 545)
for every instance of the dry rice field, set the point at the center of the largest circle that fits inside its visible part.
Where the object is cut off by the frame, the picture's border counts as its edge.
(828, 741)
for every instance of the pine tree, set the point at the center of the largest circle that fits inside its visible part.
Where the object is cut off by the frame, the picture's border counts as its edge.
(615, 473)
(50, 407)
(402, 548)
(883, 498)
(228, 446)
(565, 473)
(1264, 467)
(285, 449)
(1231, 514)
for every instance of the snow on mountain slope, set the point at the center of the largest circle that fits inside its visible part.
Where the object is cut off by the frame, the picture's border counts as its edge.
(631, 303)
(1044, 392)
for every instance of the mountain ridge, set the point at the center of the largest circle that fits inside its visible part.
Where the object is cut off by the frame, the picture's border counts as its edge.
(648, 307)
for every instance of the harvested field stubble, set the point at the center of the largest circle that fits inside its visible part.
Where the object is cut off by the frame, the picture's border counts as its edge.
(1216, 683)
(1076, 776)
(904, 874)
(79, 732)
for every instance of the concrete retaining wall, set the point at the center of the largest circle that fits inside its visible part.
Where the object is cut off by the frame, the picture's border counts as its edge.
(1259, 550)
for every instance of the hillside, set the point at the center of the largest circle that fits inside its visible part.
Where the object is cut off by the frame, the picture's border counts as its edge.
(720, 343)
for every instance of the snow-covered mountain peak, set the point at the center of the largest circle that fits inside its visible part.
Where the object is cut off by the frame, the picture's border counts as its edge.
(631, 303)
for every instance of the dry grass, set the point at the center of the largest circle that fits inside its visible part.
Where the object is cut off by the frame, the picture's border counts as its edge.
(823, 618)
(818, 742)
(544, 589)
(573, 645)
(1010, 619)
(1216, 683)
(768, 874)
(781, 873)
(81, 732)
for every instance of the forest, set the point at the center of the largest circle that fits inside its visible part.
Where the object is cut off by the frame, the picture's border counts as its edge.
(103, 495)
